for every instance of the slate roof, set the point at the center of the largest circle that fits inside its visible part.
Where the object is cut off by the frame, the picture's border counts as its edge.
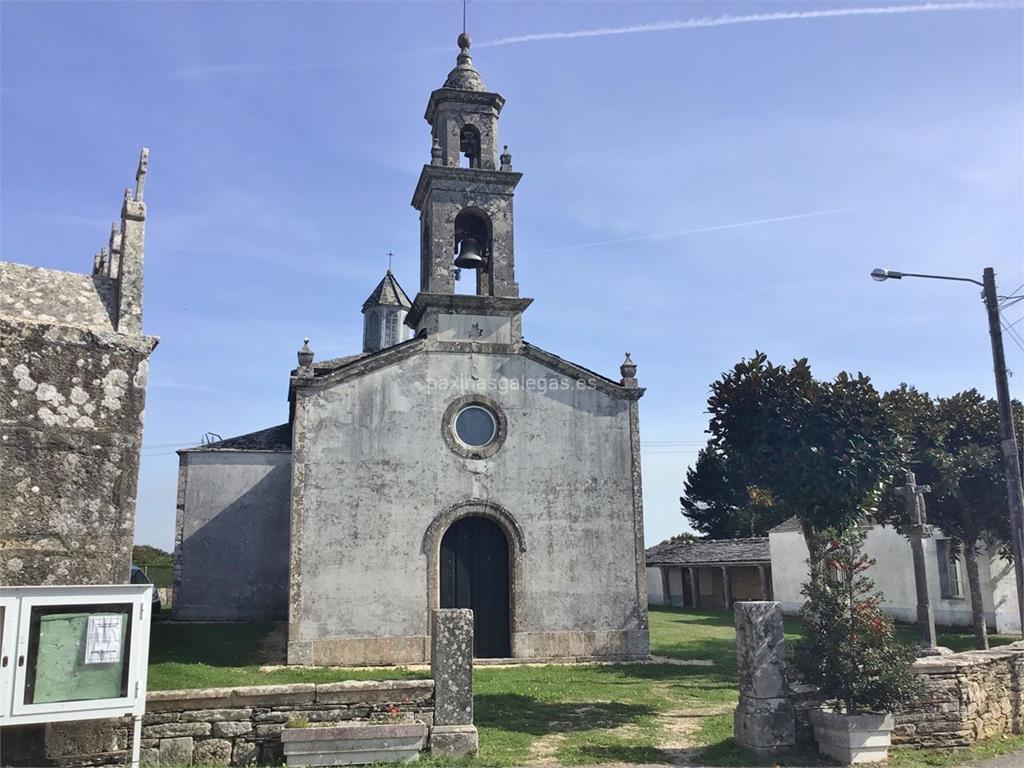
(273, 439)
(388, 292)
(58, 297)
(710, 552)
(787, 526)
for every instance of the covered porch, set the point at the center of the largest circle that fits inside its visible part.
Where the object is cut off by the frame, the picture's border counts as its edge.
(709, 574)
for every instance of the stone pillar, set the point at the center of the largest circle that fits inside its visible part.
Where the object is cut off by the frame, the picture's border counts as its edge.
(666, 587)
(451, 665)
(726, 588)
(764, 721)
(695, 587)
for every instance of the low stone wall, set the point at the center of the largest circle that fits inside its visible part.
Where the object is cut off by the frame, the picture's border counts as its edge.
(968, 697)
(241, 726)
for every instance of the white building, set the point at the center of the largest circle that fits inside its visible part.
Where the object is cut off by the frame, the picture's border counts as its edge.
(893, 574)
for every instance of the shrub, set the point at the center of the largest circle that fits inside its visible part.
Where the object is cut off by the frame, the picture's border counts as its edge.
(850, 651)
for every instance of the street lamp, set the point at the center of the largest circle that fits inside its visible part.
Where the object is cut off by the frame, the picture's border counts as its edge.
(1011, 460)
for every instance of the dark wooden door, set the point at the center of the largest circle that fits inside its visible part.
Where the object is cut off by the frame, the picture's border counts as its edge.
(474, 574)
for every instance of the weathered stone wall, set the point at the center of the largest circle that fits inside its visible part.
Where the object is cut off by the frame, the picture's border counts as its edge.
(968, 697)
(372, 474)
(71, 407)
(239, 726)
(232, 504)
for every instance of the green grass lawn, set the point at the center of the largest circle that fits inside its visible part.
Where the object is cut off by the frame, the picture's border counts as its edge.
(574, 714)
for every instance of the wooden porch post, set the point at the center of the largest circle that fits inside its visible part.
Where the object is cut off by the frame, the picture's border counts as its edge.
(766, 585)
(665, 587)
(694, 587)
(727, 587)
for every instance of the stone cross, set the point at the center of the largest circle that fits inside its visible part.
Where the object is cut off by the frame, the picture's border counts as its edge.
(916, 529)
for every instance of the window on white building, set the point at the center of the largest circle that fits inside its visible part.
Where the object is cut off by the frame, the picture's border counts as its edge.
(951, 583)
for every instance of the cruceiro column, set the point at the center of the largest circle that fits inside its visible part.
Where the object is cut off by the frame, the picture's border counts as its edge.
(451, 664)
(764, 722)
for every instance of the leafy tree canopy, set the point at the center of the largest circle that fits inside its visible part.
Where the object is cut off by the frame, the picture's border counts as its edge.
(794, 444)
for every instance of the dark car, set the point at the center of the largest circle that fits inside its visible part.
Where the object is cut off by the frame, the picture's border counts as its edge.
(139, 577)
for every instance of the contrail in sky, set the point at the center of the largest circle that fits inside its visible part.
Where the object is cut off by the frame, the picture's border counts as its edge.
(754, 18)
(734, 225)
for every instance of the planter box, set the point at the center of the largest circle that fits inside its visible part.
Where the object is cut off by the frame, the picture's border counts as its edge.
(353, 744)
(853, 739)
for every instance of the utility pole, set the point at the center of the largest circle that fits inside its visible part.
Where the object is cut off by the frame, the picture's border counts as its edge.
(1011, 457)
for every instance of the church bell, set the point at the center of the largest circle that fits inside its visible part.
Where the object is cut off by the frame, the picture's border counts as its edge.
(470, 254)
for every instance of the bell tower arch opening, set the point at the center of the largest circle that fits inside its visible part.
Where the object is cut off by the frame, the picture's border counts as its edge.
(469, 145)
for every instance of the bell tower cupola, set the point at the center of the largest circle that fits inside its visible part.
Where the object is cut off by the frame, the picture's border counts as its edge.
(464, 195)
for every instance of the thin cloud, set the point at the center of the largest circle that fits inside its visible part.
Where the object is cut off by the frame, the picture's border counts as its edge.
(716, 228)
(754, 18)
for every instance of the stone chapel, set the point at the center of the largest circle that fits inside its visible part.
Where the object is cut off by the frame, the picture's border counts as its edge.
(460, 468)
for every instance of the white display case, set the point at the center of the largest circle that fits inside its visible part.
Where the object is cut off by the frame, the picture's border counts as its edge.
(74, 653)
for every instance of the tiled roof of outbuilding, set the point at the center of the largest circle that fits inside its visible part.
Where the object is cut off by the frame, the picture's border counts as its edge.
(273, 439)
(787, 526)
(710, 552)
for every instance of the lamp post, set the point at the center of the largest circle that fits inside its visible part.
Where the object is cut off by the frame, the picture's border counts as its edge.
(1011, 460)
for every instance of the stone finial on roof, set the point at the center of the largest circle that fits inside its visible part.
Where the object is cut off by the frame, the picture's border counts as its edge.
(305, 356)
(140, 174)
(464, 77)
(628, 371)
(506, 160)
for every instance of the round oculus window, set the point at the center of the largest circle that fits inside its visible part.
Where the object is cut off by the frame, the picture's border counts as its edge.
(475, 426)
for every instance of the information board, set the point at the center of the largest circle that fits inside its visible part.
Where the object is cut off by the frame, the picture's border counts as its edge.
(73, 653)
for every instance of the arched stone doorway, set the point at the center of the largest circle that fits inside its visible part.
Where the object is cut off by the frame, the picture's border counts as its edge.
(475, 574)
(515, 545)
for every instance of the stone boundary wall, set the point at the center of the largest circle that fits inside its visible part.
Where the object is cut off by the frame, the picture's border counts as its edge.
(242, 726)
(969, 696)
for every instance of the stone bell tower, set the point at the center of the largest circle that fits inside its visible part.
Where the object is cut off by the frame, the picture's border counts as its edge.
(464, 197)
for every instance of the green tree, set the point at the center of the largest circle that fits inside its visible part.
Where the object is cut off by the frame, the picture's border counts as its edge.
(849, 650)
(954, 445)
(720, 503)
(819, 450)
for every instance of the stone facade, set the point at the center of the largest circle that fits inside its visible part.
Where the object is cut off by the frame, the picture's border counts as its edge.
(73, 369)
(242, 726)
(379, 475)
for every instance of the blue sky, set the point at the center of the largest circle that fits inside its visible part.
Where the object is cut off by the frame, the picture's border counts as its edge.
(286, 140)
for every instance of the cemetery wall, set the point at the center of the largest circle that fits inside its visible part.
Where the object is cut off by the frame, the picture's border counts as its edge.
(239, 726)
(968, 697)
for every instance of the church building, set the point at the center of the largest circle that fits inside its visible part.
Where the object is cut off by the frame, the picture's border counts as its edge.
(450, 464)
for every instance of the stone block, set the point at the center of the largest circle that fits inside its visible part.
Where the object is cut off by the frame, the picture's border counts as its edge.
(244, 753)
(177, 751)
(454, 741)
(171, 730)
(374, 692)
(764, 726)
(212, 715)
(149, 756)
(229, 729)
(451, 662)
(760, 649)
(353, 744)
(212, 752)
